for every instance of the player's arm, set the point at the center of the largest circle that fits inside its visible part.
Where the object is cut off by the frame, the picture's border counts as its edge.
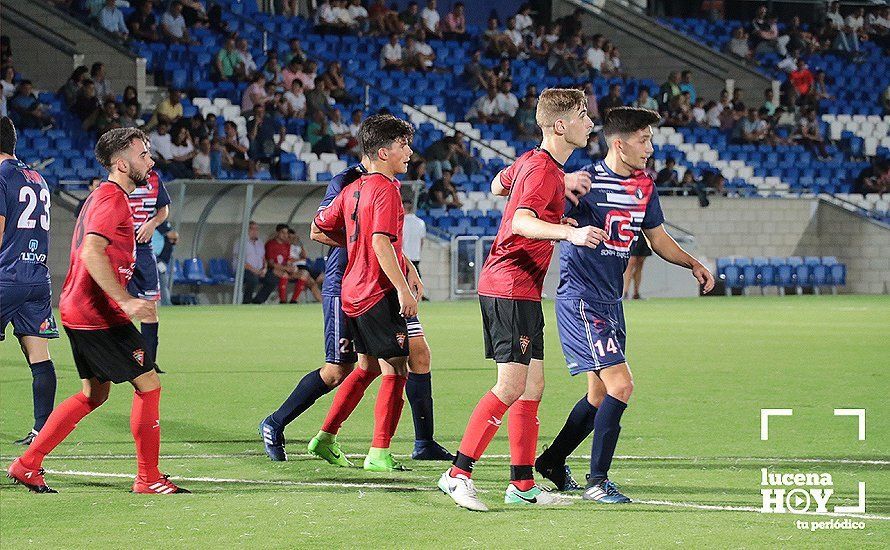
(577, 184)
(329, 238)
(498, 188)
(2, 227)
(413, 278)
(94, 258)
(389, 263)
(667, 248)
(147, 229)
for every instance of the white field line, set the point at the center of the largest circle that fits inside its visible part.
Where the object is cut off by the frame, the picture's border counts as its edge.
(689, 505)
(726, 459)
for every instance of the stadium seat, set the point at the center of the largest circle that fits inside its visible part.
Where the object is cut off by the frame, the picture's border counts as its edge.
(194, 272)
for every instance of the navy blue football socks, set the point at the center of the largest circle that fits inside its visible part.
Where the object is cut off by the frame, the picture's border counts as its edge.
(150, 336)
(606, 427)
(307, 392)
(578, 426)
(43, 387)
(419, 391)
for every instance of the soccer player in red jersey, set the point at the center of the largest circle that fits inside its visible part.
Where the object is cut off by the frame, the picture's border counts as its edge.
(510, 289)
(96, 310)
(377, 292)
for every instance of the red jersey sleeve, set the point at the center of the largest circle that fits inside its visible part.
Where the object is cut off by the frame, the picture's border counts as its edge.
(508, 174)
(330, 218)
(107, 212)
(539, 187)
(387, 202)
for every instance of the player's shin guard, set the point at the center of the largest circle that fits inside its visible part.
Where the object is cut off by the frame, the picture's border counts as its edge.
(578, 426)
(388, 409)
(607, 426)
(483, 425)
(60, 423)
(419, 391)
(523, 429)
(43, 388)
(150, 335)
(307, 392)
(347, 399)
(145, 424)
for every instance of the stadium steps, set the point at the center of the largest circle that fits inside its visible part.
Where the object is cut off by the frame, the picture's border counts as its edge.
(650, 49)
(122, 66)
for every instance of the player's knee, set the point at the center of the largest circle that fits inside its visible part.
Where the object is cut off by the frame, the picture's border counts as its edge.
(622, 391)
(420, 359)
(333, 375)
(509, 391)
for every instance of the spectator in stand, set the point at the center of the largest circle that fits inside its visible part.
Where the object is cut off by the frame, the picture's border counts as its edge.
(769, 101)
(789, 62)
(809, 134)
(410, 18)
(277, 105)
(680, 113)
(194, 14)
(508, 103)
(612, 64)
(343, 139)
(563, 61)
(539, 47)
(262, 129)
(856, 23)
(668, 176)
(454, 26)
(845, 38)
(730, 116)
(874, 179)
(738, 101)
(750, 130)
(326, 21)
(318, 98)
(503, 71)
(254, 94)
(485, 109)
(612, 100)
(443, 193)
(103, 86)
(288, 8)
(168, 110)
(87, 106)
(70, 89)
(571, 24)
(516, 39)
(524, 22)
(474, 74)
(130, 117)
(233, 149)
(298, 263)
(716, 108)
(699, 115)
(131, 96)
(355, 124)
(290, 72)
(181, 153)
(799, 39)
(308, 74)
(391, 54)
(296, 100)
(878, 24)
(111, 19)
(173, 25)
(766, 35)
(430, 19)
(686, 85)
(738, 44)
(383, 19)
(229, 65)
(295, 51)
(553, 33)
(524, 122)
(418, 54)
(497, 43)
(197, 128)
(247, 62)
(802, 78)
(108, 118)
(215, 19)
(643, 101)
(668, 91)
(161, 144)
(359, 15)
(256, 272)
(318, 134)
(414, 232)
(885, 100)
(271, 68)
(212, 129)
(142, 23)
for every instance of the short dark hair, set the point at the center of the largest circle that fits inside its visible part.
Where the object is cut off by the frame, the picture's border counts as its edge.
(281, 226)
(381, 131)
(7, 136)
(114, 141)
(627, 120)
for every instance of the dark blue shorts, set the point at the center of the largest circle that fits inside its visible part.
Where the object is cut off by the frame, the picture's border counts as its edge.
(592, 334)
(339, 345)
(145, 282)
(29, 309)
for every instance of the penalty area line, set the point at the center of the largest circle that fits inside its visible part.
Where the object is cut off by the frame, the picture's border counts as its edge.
(410, 488)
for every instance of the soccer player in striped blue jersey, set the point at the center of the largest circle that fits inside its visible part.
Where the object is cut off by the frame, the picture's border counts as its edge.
(25, 291)
(624, 202)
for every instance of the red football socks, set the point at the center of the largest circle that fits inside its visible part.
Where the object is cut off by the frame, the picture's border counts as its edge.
(299, 285)
(388, 409)
(483, 425)
(523, 429)
(347, 399)
(282, 290)
(145, 424)
(60, 423)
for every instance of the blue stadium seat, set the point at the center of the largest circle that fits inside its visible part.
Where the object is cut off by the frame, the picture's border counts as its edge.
(194, 272)
(221, 271)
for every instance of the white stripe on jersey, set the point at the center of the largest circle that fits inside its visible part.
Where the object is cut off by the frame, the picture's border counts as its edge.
(621, 198)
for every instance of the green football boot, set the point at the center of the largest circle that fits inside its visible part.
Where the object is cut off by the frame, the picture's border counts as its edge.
(324, 445)
(381, 460)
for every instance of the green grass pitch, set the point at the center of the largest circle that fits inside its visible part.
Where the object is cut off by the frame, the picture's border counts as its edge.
(691, 438)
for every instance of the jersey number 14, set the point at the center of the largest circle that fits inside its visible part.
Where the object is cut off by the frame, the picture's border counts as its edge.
(28, 197)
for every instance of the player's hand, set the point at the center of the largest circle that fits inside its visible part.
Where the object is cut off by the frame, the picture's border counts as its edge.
(407, 303)
(415, 284)
(704, 277)
(577, 184)
(143, 235)
(588, 236)
(569, 221)
(136, 308)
